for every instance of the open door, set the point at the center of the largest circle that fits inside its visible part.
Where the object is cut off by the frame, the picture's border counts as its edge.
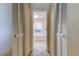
(58, 34)
(17, 42)
(64, 29)
(61, 30)
(20, 29)
(21, 44)
(15, 30)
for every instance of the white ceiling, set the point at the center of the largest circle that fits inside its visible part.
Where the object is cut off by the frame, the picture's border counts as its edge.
(40, 6)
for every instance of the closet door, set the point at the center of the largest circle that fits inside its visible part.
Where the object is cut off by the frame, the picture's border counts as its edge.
(64, 29)
(18, 32)
(59, 31)
(20, 29)
(15, 30)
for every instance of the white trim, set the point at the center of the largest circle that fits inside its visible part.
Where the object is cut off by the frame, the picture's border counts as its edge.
(20, 38)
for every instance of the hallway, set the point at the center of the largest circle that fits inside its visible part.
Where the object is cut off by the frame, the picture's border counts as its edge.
(39, 44)
(39, 47)
(37, 29)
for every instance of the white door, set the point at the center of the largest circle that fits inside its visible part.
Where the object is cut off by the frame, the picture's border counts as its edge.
(64, 29)
(58, 34)
(20, 29)
(15, 30)
(17, 42)
(61, 32)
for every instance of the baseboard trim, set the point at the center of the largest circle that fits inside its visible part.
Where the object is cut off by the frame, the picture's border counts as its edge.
(30, 52)
(49, 52)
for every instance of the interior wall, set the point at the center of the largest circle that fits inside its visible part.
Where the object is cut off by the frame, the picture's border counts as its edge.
(51, 29)
(27, 27)
(73, 29)
(5, 28)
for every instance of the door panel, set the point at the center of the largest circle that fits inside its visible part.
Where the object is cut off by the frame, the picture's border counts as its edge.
(15, 30)
(59, 45)
(20, 29)
(64, 29)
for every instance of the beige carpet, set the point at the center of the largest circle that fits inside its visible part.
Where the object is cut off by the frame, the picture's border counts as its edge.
(39, 47)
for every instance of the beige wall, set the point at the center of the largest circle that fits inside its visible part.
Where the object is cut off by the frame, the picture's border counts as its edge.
(27, 28)
(51, 29)
(73, 29)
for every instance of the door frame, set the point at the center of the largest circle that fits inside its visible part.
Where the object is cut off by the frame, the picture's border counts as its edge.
(18, 33)
(31, 28)
(55, 6)
(58, 17)
(64, 33)
(55, 28)
(58, 42)
(15, 30)
(21, 29)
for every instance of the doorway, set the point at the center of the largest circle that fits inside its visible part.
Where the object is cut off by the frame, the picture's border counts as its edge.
(39, 31)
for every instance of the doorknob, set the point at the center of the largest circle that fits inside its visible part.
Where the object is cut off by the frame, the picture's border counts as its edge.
(60, 35)
(16, 35)
(63, 35)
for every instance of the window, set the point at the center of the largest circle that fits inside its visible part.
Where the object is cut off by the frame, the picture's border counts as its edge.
(37, 27)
